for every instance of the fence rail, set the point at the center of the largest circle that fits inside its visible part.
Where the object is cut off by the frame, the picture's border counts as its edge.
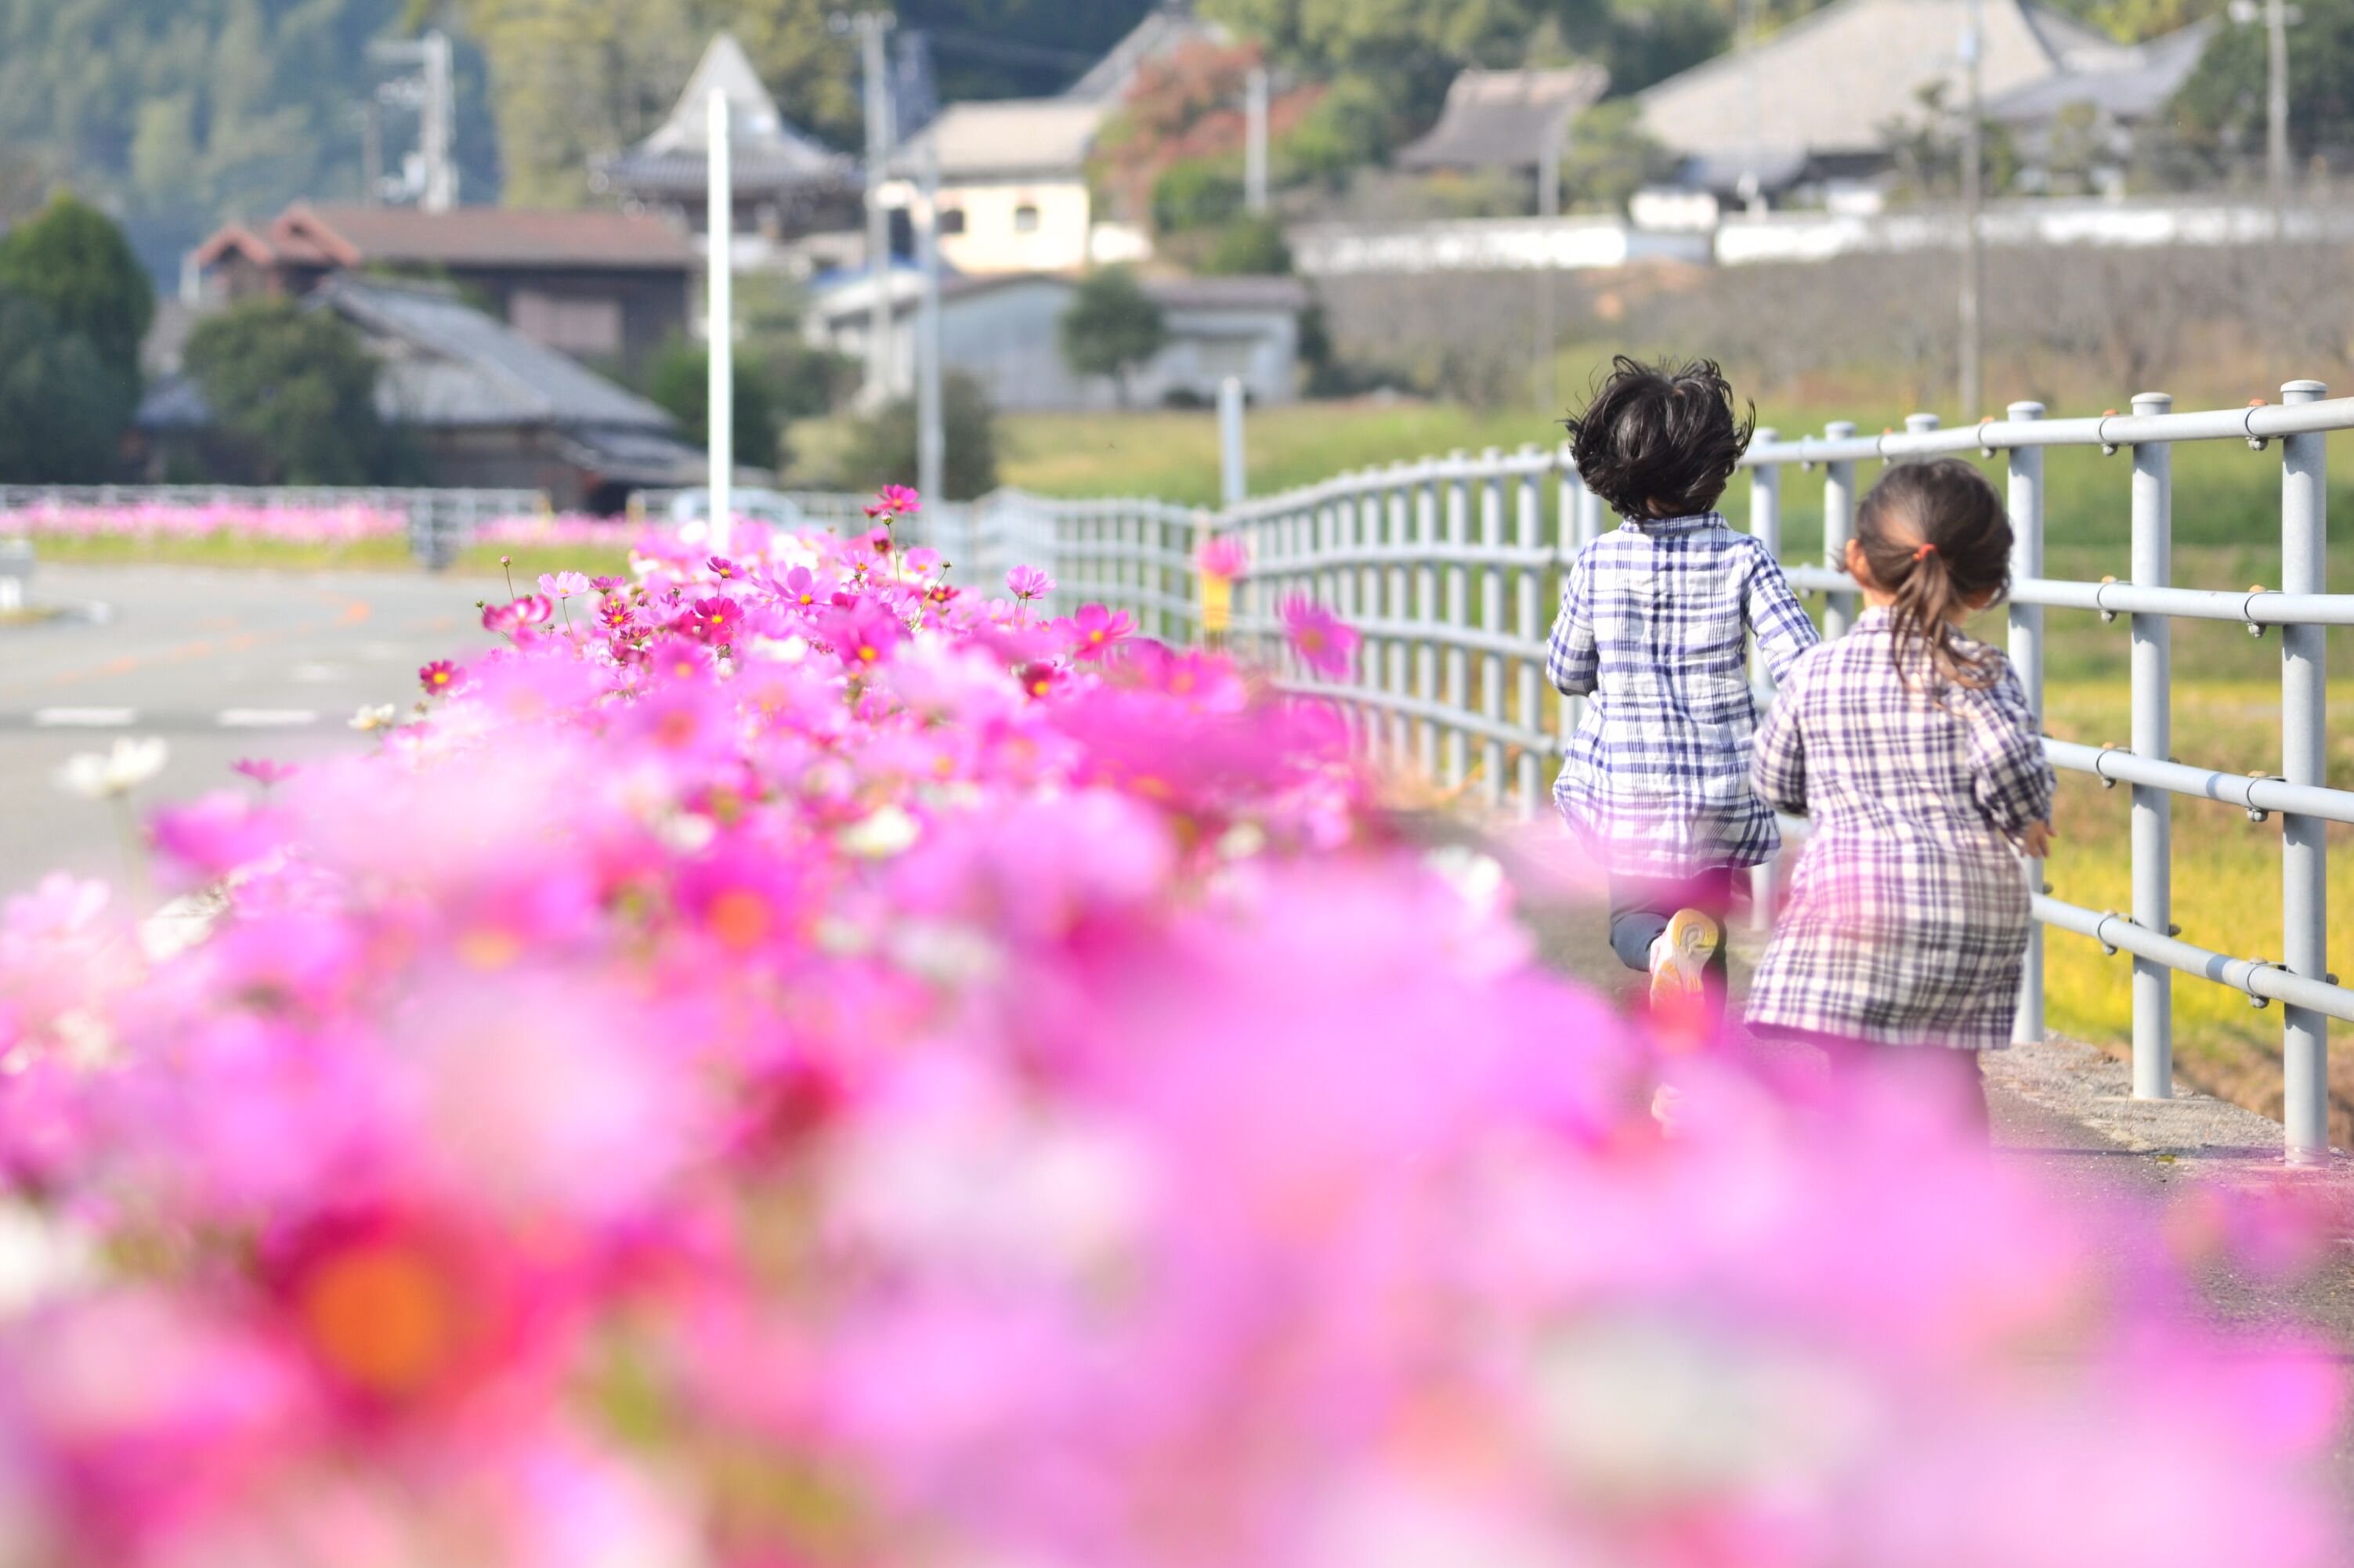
(1449, 569)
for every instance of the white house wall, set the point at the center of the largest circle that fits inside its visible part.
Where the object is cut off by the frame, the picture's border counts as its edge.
(992, 241)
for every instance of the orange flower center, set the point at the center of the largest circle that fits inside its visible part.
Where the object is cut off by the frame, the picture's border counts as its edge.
(380, 1316)
(739, 918)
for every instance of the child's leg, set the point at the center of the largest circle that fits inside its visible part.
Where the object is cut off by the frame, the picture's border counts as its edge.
(1640, 908)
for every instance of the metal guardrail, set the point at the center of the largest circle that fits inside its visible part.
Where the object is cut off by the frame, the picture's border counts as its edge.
(1449, 569)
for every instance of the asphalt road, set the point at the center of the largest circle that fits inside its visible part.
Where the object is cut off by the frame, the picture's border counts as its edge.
(218, 664)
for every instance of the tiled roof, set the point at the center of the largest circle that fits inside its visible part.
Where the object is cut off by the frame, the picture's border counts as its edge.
(2140, 90)
(1838, 81)
(768, 153)
(478, 236)
(1011, 139)
(1164, 31)
(1502, 119)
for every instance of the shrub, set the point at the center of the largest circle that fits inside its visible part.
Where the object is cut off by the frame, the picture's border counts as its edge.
(882, 447)
(296, 387)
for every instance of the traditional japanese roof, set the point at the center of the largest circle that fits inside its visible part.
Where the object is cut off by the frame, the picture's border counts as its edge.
(354, 237)
(1505, 119)
(1840, 81)
(768, 155)
(2135, 89)
(1008, 139)
(1166, 30)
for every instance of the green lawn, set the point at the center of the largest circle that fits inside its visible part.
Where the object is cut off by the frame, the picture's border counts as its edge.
(231, 551)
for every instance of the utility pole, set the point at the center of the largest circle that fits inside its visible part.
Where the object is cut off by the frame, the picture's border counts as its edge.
(2277, 17)
(719, 339)
(872, 30)
(1255, 142)
(1548, 389)
(371, 151)
(931, 432)
(1973, 199)
(431, 94)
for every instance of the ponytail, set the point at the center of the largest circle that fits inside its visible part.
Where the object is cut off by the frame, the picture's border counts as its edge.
(1935, 536)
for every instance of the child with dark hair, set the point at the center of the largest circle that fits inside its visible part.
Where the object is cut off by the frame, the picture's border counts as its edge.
(1653, 629)
(1912, 748)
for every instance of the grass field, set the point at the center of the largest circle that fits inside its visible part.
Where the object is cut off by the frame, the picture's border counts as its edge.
(231, 552)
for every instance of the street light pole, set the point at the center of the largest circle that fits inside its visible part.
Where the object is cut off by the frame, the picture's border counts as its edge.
(2276, 110)
(1254, 143)
(931, 432)
(1973, 197)
(719, 401)
(872, 29)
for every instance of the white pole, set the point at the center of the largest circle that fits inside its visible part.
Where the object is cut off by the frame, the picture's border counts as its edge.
(2276, 111)
(720, 402)
(931, 433)
(873, 27)
(440, 193)
(1237, 484)
(1973, 336)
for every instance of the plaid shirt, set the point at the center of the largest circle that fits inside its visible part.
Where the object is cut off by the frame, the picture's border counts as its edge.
(1652, 627)
(1908, 918)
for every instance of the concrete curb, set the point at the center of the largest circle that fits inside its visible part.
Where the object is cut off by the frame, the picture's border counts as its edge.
(2094, 1089)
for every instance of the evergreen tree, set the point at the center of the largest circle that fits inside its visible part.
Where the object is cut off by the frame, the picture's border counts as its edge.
(680, 380)
(297, 387)
(72, 259)
(1112, 327)
(62, 408)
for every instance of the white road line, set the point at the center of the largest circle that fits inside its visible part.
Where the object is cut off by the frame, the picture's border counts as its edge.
(266, 718)
(84, 718)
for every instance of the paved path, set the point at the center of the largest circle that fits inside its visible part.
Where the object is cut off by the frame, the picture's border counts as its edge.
(220, 665)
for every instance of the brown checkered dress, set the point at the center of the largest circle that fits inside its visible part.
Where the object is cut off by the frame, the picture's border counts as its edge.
(1907, 919)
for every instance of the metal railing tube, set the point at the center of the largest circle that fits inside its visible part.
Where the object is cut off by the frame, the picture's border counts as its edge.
(1766, 527)
(2305, 925)
(1458, 612)
(1528, 605)
(2027, 660)
(2153, 736)
(1492, 619)
(1838, 527)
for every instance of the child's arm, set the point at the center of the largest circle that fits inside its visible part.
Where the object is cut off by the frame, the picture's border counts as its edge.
(2013, 781)
(1778, 765)
(1775, 614)
(1572, 661)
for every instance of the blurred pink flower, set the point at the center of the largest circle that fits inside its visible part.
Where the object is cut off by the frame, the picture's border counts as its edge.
(1324, 642)
(1096, 631)
(1028, 583)
(1223, 557)
(894, 500)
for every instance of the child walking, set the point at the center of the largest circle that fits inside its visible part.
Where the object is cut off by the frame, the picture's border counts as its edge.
(1653, 629)
(1912, 749)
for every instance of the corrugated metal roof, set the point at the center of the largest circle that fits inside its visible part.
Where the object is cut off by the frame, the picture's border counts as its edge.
(1009, 139)
(1503, 118)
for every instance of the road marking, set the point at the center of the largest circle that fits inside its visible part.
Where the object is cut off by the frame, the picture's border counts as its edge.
(266, 718)
(82, 718)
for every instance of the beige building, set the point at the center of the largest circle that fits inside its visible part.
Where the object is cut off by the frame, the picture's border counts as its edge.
(1013, 185)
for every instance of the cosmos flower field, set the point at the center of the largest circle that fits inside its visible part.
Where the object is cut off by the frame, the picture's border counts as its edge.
(795, 1061)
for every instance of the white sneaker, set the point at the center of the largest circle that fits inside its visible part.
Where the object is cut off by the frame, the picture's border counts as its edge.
(1679, 960)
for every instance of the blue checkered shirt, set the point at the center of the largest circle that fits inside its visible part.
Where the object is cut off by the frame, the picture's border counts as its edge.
(1653, 631)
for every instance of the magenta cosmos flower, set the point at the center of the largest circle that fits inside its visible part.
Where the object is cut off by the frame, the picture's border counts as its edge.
(1224, 558)
(1026, 583)
(1095, 630)
(437, 677)
(1324, 642)
(895, 500)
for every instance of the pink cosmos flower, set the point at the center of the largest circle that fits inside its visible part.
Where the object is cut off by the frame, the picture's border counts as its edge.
(715, 618)
(1026, 583)
(1223, 557)
(1096, 631)
(437, 677)
(723, 569)
(895, 500)
(517, 615)
(264, 771)
(563, 585)
(607, 585)
(1325, 643)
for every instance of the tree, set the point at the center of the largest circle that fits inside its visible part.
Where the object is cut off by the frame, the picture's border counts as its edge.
(62, 408)
(2221, 107)
(1249, 246)
(882, 448)
(680, 380)
(1112, 327)
(297, 387)
(73, 259)
(1610, 156)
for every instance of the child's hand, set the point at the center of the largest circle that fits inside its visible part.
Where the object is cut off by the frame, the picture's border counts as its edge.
(2036, 841)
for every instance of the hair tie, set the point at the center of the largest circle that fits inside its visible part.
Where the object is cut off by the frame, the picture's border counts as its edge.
(1927, 549)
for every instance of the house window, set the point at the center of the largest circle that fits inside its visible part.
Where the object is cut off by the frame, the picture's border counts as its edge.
(951, 220)
(568, 324)
(1026, 219)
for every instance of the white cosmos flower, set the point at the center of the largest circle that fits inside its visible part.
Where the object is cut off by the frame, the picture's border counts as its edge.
(886, 832)
(98, 775)
(381, 716)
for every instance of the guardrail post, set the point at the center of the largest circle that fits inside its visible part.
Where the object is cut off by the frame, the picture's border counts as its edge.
(2027, 662)
(2305, 910)
(1528, 594)
(1425, 604)
(1838, 527)
(2153, 736)
(1397, 504)
(1458, 615)
(1569, 538)
(1492, 622)
(1766, 527)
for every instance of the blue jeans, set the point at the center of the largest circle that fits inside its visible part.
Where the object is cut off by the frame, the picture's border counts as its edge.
(1640, 908)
